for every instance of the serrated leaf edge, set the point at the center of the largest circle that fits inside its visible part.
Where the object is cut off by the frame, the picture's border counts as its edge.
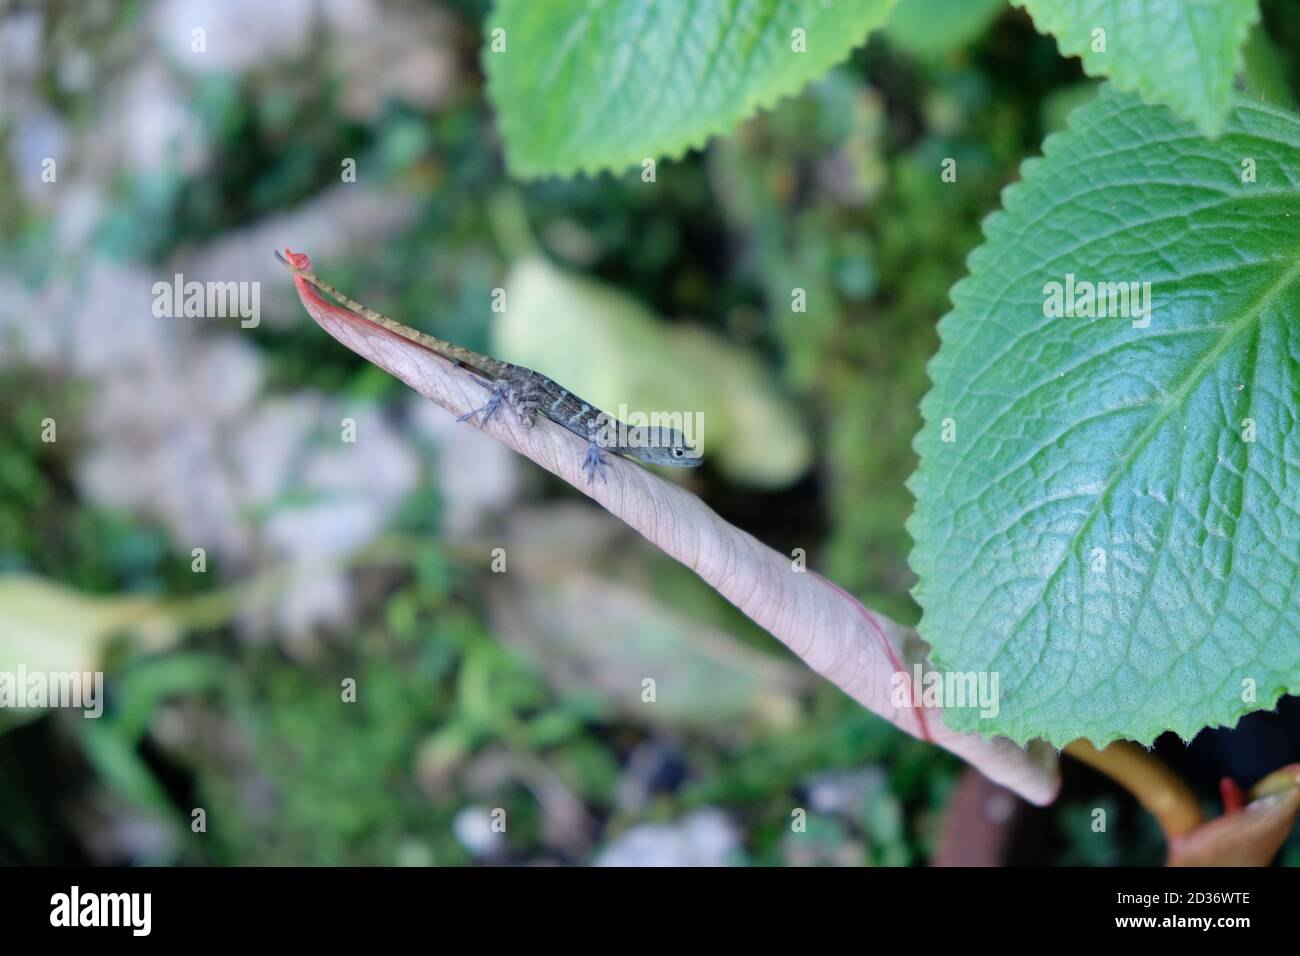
(765, 100)
(1211, 126)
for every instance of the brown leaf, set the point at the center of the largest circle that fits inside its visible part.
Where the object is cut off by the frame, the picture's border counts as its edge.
(857, 650)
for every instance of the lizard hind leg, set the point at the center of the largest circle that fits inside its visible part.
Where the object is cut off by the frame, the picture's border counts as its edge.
(523, 397)
(486, 411)
(594, 463)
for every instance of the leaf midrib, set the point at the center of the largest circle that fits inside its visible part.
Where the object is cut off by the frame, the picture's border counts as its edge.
(1175, 401)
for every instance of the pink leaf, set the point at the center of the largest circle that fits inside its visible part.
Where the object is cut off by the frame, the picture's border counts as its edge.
(857, 650)
(1249, 836)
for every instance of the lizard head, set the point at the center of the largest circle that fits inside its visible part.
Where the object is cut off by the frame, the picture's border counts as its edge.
(665, 446)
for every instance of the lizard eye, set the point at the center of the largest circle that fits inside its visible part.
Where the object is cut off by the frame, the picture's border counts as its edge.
(678, 452)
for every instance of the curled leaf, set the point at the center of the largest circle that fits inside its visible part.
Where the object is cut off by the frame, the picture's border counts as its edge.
(1249, 837)
(50, 629)
(856, 649)
(47, 627)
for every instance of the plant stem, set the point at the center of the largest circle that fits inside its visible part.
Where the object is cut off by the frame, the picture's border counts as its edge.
(1156, 786)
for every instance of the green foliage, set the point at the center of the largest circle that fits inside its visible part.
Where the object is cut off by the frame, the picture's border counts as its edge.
(874, 253)
(1112, 525)
(935, 27)
(585, 86)
(273, 154)
(1125, 835)
(1265, 70)
(40, 532)
(339, 774)
(1183, 54)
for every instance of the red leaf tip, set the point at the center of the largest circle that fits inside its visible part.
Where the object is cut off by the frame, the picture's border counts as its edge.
(297, 260)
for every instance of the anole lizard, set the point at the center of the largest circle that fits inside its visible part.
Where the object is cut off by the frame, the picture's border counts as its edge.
(528, 392)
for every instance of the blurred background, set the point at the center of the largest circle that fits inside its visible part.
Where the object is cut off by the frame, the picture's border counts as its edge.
(198, 531)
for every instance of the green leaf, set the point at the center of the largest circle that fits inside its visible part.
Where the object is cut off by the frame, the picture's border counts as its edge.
(51, 628)
(586, 85)
(1100, 531)
(1265, 70)
(1184, 54)
(936, 27)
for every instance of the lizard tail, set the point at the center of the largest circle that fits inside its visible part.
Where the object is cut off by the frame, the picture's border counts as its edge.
(300, 264)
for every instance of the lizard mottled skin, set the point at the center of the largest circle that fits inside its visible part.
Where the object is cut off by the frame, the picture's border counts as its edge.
(527, 393)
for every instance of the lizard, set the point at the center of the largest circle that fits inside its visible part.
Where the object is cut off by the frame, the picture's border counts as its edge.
(527, 393)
